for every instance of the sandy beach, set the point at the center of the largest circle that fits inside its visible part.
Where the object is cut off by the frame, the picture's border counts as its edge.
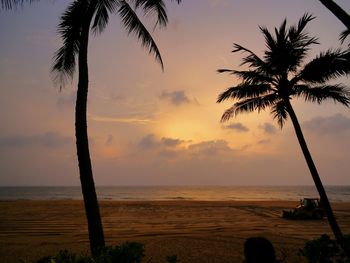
(196, 231)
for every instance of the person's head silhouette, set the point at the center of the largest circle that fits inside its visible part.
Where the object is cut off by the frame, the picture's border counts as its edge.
(259, 250)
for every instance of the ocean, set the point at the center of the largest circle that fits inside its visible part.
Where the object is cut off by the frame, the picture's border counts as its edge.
(200, 193)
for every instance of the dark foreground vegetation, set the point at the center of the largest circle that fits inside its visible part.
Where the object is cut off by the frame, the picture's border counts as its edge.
(129, 252)
(321, 250)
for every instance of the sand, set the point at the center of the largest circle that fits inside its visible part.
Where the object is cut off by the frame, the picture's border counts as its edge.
(195, 231)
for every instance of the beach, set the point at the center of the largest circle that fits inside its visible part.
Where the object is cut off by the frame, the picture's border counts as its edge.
(195, 231)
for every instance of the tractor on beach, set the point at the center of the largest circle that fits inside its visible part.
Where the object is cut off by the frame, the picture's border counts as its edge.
(309, 208)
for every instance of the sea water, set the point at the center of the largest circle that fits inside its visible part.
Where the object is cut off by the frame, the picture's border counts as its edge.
(204, 193)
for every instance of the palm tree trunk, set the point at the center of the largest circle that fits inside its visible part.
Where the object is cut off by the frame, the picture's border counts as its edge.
(317, 180)
(92, 211)
(337, 11)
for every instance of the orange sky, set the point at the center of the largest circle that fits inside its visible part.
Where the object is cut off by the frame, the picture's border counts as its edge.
(152, 128)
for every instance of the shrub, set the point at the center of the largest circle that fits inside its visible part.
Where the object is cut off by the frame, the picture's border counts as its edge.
(172, 259)
(325, 250)
(129, 252)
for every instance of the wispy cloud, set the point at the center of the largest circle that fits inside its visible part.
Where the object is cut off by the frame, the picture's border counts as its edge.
(237, 127)
(177, 97)
(268, 128)
(328, 125)
(150, 141)
(170, 147)
(210, 148)
(48, 139)
(135, 120)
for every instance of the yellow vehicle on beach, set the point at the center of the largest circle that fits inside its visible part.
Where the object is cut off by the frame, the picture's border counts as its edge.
(309, 208)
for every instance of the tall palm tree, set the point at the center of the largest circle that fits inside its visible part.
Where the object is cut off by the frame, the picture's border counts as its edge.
(272, 81)
(81, 17)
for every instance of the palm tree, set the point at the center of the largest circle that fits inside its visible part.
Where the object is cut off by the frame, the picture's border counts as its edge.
(81, 17)
(272, 81)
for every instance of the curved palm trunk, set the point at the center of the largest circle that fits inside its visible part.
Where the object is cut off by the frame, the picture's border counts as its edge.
(337, 11)
(95, 229)
(317, 180)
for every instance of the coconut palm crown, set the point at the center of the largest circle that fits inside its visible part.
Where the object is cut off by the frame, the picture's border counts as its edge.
(272, 81)
(98, 12)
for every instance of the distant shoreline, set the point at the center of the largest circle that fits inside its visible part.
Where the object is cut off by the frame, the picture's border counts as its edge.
(199, 193)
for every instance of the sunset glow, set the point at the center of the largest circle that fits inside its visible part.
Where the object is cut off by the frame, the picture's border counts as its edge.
(140, 118)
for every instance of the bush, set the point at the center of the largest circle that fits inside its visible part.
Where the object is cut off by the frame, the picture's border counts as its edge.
(172, 259)
(129, 252)
(325, 250)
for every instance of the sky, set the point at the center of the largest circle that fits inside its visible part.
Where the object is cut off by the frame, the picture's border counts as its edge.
(148, 127)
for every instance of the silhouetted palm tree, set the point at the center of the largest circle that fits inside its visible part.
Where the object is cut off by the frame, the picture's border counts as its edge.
(76, 22)
(272, 81)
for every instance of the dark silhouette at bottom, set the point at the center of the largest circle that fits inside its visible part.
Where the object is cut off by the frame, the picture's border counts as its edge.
(259, 250)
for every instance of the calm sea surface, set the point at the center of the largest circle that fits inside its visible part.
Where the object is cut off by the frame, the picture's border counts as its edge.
(210, 193)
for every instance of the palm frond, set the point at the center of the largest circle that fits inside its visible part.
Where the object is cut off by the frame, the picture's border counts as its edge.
(337, 93)
(11, 4)
(253, 76)
(223, 70)
(154, 7)
(252, 60)
(279, 112)
(135, 26)
(102, 10)
(281, 33)
(245, 90)
(296, 32)
(249, 105)
(326, 66)
(269, 39)
(69, 29)
(300, 41)
(287, 49)
(344, 35)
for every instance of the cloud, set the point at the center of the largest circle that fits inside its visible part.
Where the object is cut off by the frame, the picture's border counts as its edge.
(237, 127)
(176, 97)
(169, 147)
(268, 128)
(210, 148)
(150, 141)
(136, 120)
(169, 142)
(334, 124)
(48, 139)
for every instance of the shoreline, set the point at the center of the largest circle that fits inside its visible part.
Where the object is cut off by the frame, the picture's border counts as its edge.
(196, 231)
